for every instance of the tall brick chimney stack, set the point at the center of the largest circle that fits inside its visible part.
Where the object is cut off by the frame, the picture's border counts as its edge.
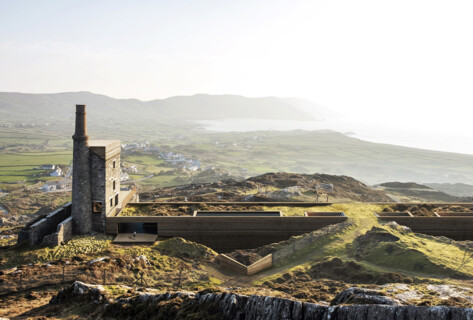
(81, 188)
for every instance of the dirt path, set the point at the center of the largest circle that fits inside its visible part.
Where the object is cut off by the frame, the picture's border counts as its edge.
(140, 179)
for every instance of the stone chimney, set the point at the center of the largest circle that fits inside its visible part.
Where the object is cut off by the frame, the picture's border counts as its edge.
(81, 189)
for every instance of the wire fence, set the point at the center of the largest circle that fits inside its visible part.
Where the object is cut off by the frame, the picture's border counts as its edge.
(29, 277)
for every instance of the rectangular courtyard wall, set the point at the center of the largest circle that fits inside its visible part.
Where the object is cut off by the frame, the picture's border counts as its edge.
(237, 267)
(262, 264)
(457, 228)
(231, 264)
(225, 234)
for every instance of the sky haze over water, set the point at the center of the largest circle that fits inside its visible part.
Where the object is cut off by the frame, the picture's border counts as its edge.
(393, 65)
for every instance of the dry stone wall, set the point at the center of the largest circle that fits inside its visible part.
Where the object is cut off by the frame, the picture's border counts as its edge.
(48, 225)
(63, 234)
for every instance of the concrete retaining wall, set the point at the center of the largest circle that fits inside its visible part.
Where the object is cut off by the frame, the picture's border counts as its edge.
(235, 266)
(454, 214)
(393, 214)
(124, 198)
(231, 264)
(262, 264)
(237, 213)
(225, 234)
(457, 228)
(323, 214)
(48, 225)
(245, 204)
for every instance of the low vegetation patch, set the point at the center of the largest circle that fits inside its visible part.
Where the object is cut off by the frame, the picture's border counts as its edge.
(396, 247)
(179, 247)
(324, 279)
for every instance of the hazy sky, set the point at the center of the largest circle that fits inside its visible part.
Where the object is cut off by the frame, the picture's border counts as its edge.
(403, 63)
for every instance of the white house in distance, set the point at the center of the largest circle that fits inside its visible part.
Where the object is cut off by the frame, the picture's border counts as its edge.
(124, 176)
(133, 169)
(64, 184)
(56, 173)
(49, 186)
(48, 167)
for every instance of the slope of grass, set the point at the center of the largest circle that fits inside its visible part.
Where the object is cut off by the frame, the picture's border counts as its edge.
(183, 248)
(419, 253)
(414, 254)
(90, 246)
(21, 166)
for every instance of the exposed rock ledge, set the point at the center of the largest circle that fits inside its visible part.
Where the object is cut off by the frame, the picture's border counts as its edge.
(234, 306)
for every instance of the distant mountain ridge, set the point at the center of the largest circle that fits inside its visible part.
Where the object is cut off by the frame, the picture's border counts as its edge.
(197, 107)
(454, 189)
(411, 191)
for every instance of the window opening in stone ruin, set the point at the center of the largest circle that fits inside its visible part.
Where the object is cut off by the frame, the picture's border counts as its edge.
(116, 199)
(113, 163)
(111, 202)
(97, 206)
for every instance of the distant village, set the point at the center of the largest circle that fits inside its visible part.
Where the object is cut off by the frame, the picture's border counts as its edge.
(176, 160)
(53, 170)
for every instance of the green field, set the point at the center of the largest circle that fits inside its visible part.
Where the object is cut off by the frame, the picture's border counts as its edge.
(21, 166)
(146, 160)
(33, 136)
(150, 165)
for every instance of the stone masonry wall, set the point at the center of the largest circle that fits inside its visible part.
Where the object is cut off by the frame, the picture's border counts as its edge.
(64, 230)
(98, 183)
(62, 234)
(48, 225)
(102, 177)
(81, 193)
(112, 174)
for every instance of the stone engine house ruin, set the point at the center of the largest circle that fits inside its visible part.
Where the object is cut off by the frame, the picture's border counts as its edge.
(95, 190)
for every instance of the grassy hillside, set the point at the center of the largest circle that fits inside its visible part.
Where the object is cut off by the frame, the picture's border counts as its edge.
(325, 152)
(414, 192)
(454, 189)
(197, 107)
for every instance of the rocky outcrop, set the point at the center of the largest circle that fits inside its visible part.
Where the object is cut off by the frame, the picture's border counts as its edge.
(83, 291)
(363, 296)
(235, 306)
(257, 307)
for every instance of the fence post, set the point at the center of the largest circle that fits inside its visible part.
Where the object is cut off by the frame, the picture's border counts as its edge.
(193, 270)
(180, 276)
